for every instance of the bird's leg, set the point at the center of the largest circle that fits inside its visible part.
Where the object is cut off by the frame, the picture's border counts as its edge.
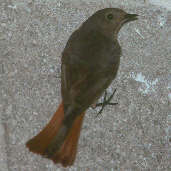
(105, 101)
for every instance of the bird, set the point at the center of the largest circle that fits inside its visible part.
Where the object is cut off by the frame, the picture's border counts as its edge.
(89, 63)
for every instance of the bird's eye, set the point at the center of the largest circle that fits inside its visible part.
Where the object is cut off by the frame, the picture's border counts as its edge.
(110, 16)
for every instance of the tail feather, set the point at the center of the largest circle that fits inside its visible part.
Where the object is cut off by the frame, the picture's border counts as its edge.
(66, 152)
(39, 143)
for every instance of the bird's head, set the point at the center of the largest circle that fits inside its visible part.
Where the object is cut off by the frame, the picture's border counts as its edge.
(110, 20)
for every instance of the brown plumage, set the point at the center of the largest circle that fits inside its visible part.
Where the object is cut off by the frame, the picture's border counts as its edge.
(90, 62)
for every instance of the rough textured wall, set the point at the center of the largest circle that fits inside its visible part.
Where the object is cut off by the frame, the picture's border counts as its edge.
(132, 136)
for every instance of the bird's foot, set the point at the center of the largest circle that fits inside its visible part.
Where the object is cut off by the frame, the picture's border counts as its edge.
(105, 102)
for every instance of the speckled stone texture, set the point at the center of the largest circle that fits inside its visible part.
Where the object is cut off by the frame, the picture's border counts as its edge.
(134, 135)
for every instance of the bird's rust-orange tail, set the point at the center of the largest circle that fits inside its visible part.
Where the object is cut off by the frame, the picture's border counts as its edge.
(67, 152)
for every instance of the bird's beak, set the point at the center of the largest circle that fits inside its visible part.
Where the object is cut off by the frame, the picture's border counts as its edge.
(130, 17)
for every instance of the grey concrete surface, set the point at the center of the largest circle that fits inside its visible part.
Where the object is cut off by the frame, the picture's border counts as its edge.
(135, 135)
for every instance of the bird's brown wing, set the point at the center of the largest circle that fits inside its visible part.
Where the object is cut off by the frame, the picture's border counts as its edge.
(87, 69)
(82, 88)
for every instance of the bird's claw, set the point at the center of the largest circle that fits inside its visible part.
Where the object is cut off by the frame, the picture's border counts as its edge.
(106, 101)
